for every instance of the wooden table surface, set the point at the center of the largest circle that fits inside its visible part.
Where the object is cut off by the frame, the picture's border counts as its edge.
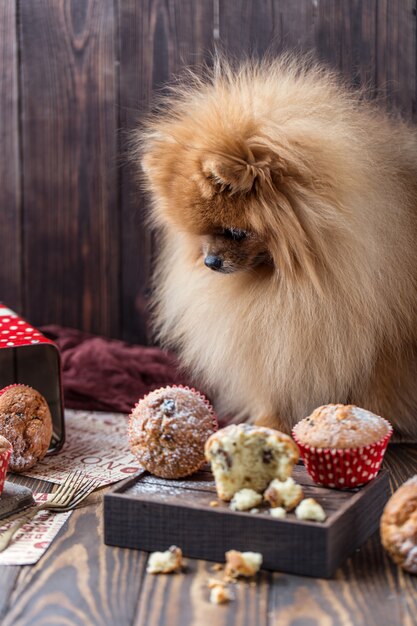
(81, 581)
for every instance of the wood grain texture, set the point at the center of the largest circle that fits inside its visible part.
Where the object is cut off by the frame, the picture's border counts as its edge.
(69, 163)
(10, 194)
(75, 80)
(183, 600)
(396, 54)
(9, 575)
(266, 26)
(369, 590)
(80, 581)
(157, 39)
(346, 39)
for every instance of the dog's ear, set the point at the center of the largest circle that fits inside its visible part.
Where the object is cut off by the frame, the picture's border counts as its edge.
(238, 171)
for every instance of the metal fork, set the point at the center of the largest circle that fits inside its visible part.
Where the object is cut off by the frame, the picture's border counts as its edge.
(75, 488)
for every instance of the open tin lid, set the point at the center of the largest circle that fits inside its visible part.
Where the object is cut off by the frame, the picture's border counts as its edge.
(29, 358)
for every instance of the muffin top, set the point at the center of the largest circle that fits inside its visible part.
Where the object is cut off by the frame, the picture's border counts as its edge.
(341, 426)
(168, 429)
(399, 526)
(25, 420)
(4, 444)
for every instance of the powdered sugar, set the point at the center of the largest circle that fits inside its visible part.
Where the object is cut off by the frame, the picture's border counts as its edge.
(168, 430)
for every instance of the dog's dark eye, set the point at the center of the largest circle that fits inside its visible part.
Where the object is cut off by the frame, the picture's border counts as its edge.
(235, 234)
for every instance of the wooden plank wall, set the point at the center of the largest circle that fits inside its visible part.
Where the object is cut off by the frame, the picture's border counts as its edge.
(75, 78)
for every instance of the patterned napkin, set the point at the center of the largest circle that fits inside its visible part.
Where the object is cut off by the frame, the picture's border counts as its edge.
(96, 443)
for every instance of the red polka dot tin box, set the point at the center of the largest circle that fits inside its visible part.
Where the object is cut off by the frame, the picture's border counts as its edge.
(29, 358)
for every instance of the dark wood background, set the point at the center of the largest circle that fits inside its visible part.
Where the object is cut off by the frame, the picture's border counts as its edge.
(77, 75)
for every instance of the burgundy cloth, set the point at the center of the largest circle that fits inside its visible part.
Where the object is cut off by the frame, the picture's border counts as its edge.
(107, 374)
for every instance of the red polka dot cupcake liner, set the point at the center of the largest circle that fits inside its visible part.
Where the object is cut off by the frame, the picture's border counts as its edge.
(348, 468)
(5, 454)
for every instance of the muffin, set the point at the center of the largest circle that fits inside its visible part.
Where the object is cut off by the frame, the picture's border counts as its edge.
(399, 526)
(168, 429)
(5, 453)
(245, 456)
(26, 421)
(342, 445)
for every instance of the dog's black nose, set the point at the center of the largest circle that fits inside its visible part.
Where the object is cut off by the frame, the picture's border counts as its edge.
(213, 262)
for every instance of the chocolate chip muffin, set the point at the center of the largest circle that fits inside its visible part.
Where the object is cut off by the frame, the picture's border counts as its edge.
(399, 526)
(25, 421)
(245, 456)
(168, 429)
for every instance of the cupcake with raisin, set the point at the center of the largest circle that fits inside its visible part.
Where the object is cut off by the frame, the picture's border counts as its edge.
(244, 456)
(341, 445)
(168, 429)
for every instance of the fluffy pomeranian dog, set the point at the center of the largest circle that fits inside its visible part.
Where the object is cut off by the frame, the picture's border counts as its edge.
(287, 270)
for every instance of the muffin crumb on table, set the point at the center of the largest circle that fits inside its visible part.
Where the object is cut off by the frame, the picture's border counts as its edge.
(165, 562)
(220, 592)
(245, 564)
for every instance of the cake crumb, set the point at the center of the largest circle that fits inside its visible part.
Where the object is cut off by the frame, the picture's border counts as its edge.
(278, 512)
(214, 503)
(242, 563)
(217, 567)
(245, 499)
(309, 509)
(165, 562)
(220, 593)
(285, 493)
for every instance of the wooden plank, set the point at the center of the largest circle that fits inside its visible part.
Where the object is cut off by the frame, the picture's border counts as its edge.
(367, 591)
(396, 54)
(79, 581)
(8, 580)
(69, 166)
(346, 39)
(10, 196)
(156, 39)
(183, 600)
(266, 26)
(103, 584)
(9, 575)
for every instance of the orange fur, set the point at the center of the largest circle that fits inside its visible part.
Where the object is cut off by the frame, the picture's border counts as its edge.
(319, 301)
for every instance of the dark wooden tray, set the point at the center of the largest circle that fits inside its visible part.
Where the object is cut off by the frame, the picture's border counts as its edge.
(151, 514)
